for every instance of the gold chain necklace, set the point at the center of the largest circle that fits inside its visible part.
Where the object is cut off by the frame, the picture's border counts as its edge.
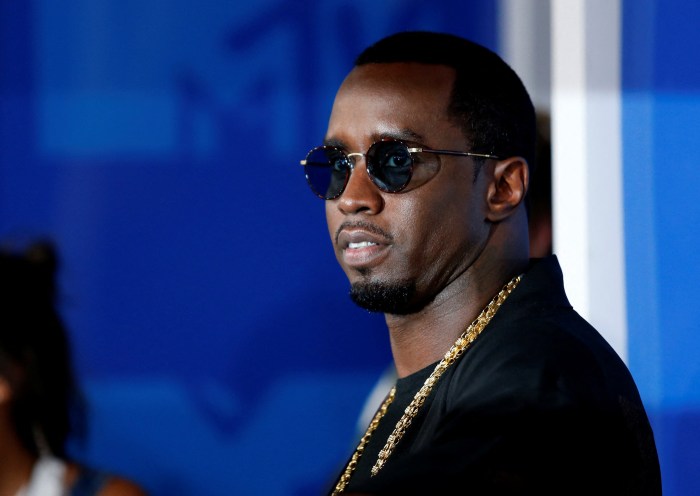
(458, 348)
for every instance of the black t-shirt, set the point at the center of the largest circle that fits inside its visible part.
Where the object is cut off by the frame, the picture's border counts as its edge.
(539, 404)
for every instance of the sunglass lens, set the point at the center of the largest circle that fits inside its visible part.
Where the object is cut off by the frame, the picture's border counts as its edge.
(391, 165)
(326, 171)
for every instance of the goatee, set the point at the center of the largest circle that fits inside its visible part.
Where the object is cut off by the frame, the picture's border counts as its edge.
(393, 298)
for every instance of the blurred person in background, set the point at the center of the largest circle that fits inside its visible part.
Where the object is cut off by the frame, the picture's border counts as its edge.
(40, 405)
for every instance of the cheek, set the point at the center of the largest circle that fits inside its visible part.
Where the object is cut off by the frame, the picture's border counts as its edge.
(331, 218)
(427, 230)
(443, 228)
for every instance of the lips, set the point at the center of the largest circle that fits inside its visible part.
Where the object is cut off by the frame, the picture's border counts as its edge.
(362, 245)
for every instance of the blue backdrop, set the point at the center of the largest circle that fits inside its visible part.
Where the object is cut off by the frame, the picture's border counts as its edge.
(661, 131)
(157, 143)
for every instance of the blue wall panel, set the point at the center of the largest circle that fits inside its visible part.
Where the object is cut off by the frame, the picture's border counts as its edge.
(156, 143)
(661, 127)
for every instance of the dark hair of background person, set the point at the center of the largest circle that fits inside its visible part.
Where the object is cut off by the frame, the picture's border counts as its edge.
(44, 407)
(34, 351)
(539, 194)
(489, 101)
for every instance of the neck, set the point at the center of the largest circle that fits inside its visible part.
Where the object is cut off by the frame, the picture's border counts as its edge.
(420, 339)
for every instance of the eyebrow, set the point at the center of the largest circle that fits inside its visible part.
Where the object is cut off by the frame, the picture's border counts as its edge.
(334, 142)
(404, 134)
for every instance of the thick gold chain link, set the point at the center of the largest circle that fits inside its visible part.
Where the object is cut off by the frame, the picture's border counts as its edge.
(458, 348)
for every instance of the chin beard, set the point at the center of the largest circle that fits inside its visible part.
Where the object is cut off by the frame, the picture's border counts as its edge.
(394, 298)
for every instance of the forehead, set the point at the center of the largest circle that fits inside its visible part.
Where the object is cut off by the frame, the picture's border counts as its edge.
(382, 99)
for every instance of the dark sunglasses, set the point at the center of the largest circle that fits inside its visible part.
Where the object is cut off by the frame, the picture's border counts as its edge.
(389, 166)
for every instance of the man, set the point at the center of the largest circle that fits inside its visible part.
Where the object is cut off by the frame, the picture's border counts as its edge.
(502, 387)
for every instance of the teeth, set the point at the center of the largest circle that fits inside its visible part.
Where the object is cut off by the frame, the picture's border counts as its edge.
(362, 244)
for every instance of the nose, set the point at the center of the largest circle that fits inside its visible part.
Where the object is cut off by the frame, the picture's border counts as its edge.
(360, 194)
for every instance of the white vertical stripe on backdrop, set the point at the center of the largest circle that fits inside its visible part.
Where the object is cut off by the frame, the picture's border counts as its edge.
(584, 97)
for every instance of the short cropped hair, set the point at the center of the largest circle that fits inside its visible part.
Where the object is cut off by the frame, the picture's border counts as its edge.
(489, 101)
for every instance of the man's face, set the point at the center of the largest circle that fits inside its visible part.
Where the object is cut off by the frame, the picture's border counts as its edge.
(399, 250)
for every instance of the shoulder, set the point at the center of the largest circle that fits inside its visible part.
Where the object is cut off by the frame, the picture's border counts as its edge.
(88, 481)
(118, 486)
(559, 358)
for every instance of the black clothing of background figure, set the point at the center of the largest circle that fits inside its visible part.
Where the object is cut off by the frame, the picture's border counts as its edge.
(424, 173)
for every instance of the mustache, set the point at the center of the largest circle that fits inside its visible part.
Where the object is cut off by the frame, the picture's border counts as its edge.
(361, 224)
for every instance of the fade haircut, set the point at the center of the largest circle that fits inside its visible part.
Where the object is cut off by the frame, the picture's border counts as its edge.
(489, 101)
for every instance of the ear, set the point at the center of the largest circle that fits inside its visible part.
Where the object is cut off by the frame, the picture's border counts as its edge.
(507, 188)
